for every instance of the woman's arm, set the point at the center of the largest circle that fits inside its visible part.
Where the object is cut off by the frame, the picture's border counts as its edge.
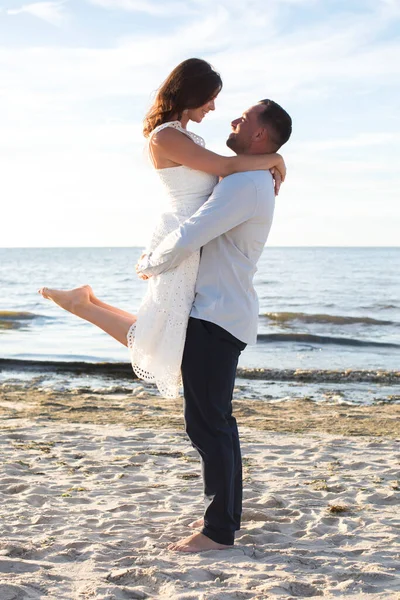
(179, 148)
(234, 200)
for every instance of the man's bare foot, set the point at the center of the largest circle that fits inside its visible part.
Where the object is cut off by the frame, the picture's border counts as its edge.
(69, 300)
(197, 542)
(196, 524)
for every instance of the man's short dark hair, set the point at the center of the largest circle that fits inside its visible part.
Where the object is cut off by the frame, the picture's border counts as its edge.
(278, 122)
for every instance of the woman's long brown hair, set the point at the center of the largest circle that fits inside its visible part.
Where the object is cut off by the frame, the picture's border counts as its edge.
(191, 84)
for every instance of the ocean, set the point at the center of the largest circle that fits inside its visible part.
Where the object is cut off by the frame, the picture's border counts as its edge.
(321, 309)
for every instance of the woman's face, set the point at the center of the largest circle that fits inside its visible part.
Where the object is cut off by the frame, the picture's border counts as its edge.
(198, 114)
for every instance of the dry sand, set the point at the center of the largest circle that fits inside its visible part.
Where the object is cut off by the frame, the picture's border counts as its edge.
(93, 487)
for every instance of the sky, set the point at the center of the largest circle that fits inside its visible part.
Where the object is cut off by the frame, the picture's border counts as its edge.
(77, 77)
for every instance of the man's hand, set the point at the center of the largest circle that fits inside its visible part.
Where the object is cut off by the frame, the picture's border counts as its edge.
(277, 179)
(139, 274)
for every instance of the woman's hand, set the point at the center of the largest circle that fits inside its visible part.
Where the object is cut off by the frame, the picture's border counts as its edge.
(137, 269)
(141, 275)
(277, 179)
(281, 167)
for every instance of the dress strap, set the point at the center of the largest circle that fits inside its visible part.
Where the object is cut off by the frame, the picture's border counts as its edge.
(174, 124)
(177, 125)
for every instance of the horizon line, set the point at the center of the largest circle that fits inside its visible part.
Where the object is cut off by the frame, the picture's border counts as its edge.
(142, 246)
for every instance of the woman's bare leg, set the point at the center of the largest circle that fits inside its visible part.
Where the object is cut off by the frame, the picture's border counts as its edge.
(114, 309)
(78, 302)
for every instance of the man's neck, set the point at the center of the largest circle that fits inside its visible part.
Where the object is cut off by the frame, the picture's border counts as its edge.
(256, 149)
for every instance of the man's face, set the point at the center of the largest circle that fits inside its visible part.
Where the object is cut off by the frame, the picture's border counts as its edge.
(244, 130)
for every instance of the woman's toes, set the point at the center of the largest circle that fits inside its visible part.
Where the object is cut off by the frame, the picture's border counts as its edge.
(43, 292)
(71, 300)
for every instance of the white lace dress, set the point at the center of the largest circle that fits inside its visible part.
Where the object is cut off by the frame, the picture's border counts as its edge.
(157, 339)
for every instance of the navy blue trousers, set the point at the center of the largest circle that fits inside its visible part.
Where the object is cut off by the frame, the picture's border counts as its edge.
(209, 365)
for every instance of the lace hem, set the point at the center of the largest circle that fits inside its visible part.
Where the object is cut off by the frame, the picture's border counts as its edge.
(169, 385)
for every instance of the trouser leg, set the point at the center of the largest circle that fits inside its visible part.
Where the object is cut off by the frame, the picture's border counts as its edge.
(238, 477)
(209, 367)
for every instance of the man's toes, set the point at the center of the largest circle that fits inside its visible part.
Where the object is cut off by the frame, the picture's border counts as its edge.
(181, 547)
(176, 547)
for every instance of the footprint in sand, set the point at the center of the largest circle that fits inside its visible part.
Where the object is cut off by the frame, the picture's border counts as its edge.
(16, 488)
(385, 499)
(194, 575)
(373, 577)
(36, 500)
(303, 590)
(11, 592)
(145, 577)
(14, 550)
(250, 514)
(271, 501)
(8, 566)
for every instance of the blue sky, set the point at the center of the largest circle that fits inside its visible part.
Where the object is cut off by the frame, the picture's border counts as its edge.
(77, 77)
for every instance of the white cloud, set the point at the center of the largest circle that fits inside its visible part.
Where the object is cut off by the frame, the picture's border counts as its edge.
(51, 12)
(391, 6)
(155, 8)
(199, 7)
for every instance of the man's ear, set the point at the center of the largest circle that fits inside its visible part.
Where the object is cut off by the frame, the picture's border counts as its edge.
(261, 135)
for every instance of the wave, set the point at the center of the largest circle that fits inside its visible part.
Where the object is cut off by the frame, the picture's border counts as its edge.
(287, 317)
(12, 319)
(380, 306)
(308, 338)
(322, 375)
(115, 369)
(124, 371)
(15, 315)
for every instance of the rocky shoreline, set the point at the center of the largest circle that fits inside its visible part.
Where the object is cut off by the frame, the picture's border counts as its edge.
(124, 370)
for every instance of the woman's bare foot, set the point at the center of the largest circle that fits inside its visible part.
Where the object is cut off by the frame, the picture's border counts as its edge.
(197, 542)
(78, 302)
(69, 300)
(92, 296)
(196, 524)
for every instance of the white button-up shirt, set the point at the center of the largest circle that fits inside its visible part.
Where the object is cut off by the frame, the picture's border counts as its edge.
(232, 228)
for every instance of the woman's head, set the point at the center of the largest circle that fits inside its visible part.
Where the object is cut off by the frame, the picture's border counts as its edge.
(190, 89)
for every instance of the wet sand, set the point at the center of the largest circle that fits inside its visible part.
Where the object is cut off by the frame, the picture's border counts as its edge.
(139, 408)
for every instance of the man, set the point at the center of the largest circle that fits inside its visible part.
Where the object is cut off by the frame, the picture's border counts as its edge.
(232, 228)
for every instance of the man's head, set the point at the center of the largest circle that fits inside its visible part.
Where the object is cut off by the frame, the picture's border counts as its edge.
(262, 129)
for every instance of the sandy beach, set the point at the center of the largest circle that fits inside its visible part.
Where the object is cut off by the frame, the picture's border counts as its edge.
(94, 486)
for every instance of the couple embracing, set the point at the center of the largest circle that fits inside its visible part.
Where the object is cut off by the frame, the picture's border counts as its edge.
(200, 309)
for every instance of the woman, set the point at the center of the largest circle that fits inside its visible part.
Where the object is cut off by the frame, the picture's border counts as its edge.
(189, 172)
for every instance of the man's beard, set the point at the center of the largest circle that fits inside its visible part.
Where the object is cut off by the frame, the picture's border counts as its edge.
(231, 142)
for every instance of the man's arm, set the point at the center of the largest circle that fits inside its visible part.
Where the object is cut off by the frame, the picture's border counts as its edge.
(233, 201)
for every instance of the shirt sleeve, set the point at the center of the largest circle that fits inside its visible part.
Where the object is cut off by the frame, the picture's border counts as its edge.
(233, 201)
